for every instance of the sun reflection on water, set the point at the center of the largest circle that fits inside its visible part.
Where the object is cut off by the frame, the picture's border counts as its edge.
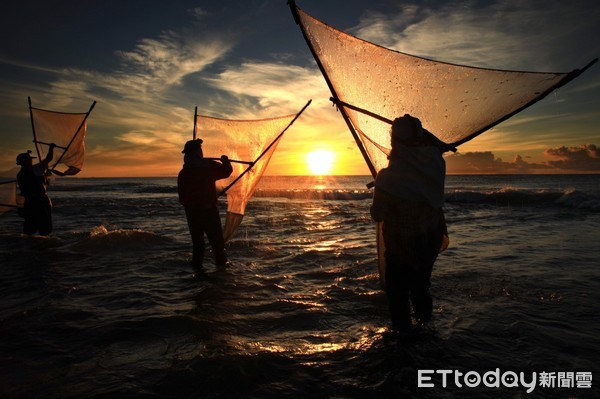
(324, 246)
(319, 343)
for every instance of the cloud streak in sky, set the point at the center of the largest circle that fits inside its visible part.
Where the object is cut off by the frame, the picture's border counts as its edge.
(272, 85)
(494, 34)
(166, 61)
(147, 91)
(139, 91)
(142, 98)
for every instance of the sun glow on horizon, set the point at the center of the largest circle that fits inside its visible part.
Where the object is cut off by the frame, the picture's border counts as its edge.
(320, 162)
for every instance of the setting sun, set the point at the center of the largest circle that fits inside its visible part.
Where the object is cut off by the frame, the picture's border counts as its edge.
(320, 162)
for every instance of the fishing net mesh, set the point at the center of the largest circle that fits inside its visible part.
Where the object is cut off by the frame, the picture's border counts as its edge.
(60, 128)
(240, 141)
(453, 102)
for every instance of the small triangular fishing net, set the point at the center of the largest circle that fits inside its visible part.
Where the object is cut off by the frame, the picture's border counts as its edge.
(66, 130)
(454, 102)
(250, 145)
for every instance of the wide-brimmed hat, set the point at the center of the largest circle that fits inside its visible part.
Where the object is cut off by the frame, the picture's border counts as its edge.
(192, 146)
(24, 157)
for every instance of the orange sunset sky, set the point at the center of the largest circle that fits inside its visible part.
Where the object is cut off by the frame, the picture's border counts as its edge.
(248, 60)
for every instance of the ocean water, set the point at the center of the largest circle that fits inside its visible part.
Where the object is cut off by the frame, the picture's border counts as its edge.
(108, 306)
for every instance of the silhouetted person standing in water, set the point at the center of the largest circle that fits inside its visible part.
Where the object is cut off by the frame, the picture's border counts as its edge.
(408, 199)
(197, 194)
(32, 180)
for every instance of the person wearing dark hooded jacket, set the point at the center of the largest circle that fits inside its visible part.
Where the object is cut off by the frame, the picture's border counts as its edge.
(408, 199)
(197, 194)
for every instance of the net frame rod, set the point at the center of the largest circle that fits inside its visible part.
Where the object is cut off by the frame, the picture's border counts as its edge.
(265, 150)
(339, 102)
(195, 122)
(75, 135)
(447, 147)
(568, 77)
(363, 151)
(44, 143)
(33, 127)
(36, 141)
(231, 160)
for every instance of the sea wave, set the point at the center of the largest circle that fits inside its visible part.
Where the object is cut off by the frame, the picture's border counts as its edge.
(92, 187)
(126, 187)
(315, 194)
(578, 199)
(509, 196)
(119, 240)
(503, 195)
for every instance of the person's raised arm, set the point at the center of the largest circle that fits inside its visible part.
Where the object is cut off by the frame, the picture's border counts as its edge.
(50, 154)
(227, 168)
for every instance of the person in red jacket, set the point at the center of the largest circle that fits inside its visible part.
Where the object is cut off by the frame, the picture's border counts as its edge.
(198, 195)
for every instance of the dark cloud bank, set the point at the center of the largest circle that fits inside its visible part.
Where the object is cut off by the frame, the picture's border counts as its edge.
(582, 159)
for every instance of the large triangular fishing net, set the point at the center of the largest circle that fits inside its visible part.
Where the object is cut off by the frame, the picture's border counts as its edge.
(246, 141)
(454, 102)
(373, 85)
